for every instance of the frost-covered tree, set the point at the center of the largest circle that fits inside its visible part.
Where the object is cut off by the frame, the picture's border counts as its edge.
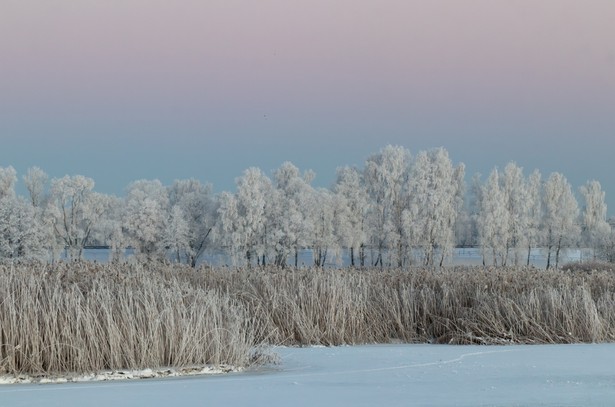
(561, 212)
(8, 179)
(21, 234)
(176, 237)
(352, 201)
(279, 227)
(606, 251)
(474, 208)
(72, 211)
(436, 197)
(198, 206)
(109, 230)
(533, 231)
(145, 217)
(287, 219)
(253, 190)
(36, 183)
(227, 233)
(493, 220)
(464, 236)
(516, 195)
(243, 216)
(386, 175)
(595, 228)
(321, 211)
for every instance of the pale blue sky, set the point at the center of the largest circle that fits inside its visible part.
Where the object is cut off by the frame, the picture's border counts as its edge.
(130, 89)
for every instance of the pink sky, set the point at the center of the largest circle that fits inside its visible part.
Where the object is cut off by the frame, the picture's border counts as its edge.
(276, 52)
(455, 73)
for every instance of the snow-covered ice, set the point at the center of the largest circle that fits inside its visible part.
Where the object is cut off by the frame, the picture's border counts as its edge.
(388, 375)
(114, 375)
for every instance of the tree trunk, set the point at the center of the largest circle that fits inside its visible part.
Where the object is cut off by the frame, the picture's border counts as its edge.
(378, 260)
(362, 255)
(559, 248)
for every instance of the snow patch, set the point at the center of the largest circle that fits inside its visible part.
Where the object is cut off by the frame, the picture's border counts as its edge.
(112, 375)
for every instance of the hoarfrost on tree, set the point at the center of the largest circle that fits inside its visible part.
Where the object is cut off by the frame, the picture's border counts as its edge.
(72, 210)
(436, 198)
(386, 175)
(147, 212)
(561, 216)
(595, 228)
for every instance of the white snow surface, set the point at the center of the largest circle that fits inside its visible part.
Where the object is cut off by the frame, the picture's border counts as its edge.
(375, 375)
(113, 375)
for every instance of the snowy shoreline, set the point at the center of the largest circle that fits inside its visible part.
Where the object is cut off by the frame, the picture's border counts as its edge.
(368, 375)
(115, 375)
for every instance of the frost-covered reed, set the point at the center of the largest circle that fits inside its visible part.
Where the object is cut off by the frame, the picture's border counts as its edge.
(81, 317)
(460, 305)
(78, 317)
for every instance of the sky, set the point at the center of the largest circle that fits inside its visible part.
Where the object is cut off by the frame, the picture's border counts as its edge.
(120, 90)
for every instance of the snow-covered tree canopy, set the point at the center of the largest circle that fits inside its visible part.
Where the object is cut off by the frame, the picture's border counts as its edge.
(396, 210)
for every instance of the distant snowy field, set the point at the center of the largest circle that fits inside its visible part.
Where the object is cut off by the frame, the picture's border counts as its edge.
(375, 375)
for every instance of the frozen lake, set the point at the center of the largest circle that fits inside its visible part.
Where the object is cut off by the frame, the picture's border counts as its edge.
(386, 375)
(460, 256)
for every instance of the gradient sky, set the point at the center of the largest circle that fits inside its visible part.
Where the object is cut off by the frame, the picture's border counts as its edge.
(120, 90)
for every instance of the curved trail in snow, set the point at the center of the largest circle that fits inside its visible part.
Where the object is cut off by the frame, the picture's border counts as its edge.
(282, 374)
(402, 367)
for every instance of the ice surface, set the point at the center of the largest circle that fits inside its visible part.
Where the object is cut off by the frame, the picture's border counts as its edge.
(377, 375)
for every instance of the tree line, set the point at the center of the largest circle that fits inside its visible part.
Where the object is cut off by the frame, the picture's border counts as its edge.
(397, 210)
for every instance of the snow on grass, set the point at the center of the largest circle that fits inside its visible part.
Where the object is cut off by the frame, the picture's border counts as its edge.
(113, 375)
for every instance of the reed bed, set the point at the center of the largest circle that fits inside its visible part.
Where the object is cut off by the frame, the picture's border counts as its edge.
(461, 305)
(83, 317)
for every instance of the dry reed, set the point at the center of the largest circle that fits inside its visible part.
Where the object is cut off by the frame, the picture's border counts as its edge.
(460, 305)
(81, 317)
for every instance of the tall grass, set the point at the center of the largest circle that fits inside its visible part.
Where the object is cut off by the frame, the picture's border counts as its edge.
(83, 318)
(460, 305)
(87, 317)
